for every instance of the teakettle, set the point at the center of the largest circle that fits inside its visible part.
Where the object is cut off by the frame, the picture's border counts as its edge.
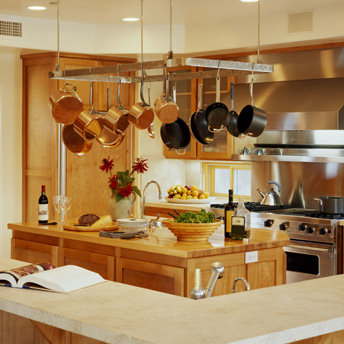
(272, 197)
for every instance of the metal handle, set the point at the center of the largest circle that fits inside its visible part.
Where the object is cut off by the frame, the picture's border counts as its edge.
(199, 105)
(174, 93)
(320, 200)
(218, 85)
(232, 95)
(327, 250)
(275, 183)
(119, 95)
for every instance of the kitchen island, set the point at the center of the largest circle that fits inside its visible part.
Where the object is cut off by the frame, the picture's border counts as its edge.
(118, 313)
(158, 262)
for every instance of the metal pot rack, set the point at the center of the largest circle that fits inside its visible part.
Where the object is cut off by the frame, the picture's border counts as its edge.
(223, 68)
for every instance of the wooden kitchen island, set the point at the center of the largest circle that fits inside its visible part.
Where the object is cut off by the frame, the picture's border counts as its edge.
(158, 262)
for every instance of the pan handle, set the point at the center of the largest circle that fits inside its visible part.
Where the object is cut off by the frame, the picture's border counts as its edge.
(218, 86)
(180, 152)
(232, 95)
(141, 92)
(318, 199)
(251, 86)
(199, 105)
(214, 130)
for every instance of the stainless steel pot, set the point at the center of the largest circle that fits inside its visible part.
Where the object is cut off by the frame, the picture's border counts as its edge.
(331, 205)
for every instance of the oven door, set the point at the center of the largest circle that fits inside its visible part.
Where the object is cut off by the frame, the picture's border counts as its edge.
(308, 260)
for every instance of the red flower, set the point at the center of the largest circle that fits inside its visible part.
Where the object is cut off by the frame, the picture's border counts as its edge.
(140, 166)
(113, 182)
(107, 164)
(126, 190)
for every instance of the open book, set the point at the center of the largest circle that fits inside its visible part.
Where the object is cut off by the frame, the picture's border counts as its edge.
(45, 276)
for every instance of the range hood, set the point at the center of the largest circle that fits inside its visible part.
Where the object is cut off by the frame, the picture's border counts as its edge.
(304, 101)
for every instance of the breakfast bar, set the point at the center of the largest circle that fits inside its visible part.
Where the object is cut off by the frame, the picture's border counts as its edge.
(118, 313)
(158, 262)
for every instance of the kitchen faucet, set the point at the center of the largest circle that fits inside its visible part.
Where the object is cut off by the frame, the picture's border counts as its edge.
(216, 272)
(240, 279)
(144, 196)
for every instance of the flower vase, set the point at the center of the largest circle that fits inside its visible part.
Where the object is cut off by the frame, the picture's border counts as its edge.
(120, 209)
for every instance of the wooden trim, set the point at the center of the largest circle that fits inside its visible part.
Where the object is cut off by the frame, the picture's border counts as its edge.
(79, 56)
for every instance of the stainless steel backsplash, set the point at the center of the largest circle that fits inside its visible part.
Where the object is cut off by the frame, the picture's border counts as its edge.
(300, 182)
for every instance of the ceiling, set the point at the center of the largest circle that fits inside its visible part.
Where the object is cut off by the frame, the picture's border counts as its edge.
(156, 12)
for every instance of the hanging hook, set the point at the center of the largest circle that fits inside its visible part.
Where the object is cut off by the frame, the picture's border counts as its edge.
(251, 84)
(218, 69)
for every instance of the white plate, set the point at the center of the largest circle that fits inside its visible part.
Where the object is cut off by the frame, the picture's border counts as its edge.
(190, 201)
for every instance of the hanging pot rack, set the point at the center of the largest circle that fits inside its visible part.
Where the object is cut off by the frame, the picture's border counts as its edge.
(226, 68)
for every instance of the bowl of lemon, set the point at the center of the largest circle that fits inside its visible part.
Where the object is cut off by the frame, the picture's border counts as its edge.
(187, 194)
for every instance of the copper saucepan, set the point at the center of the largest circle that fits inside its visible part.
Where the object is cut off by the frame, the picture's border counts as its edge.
(141, 114)
(65, 104)
(165, 107)
(74, 142)
(89, 124)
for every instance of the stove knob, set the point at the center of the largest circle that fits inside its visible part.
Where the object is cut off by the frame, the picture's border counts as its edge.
(302, 227)
(323, 231)
(268, 223)
(284, 226)
(310, 230)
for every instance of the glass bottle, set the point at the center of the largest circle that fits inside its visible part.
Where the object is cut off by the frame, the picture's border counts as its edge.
(43, 207)
(229, 208)
(241, 222)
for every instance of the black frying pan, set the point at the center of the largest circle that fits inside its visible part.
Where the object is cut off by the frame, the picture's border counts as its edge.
(217, 114)
(175, 135)
(232, 126)
(198, 123)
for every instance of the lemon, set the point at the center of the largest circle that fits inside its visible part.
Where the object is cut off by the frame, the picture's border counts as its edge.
(177, 196)
(188, 197)
(195, 197)
(184, 195)
(103, 221)
(201, 197)
(194, 188)
(189, 192)
(194, 193)
(206, 194)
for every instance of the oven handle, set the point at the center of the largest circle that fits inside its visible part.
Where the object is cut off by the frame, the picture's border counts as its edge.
(310, 248)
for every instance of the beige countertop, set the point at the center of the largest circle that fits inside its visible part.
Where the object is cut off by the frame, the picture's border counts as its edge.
(119, 313)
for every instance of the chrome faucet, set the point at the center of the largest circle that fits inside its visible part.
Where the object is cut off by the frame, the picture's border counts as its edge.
(144, 196)
(240, 279)
(216, 272)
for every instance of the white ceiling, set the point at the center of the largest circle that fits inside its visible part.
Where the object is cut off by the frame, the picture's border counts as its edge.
(111, 12)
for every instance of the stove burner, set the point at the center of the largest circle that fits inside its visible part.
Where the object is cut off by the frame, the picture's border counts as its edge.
(325, 216)
(253, 206)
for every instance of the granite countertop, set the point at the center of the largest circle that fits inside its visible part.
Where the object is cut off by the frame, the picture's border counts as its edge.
(162, 241)
(128, 314)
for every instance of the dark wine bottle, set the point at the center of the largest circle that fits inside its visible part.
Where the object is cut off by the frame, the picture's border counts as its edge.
(43, 214)
(229, 208)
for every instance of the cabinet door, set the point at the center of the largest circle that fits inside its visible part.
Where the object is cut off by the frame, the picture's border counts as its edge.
(100, 263)
(167, 279)
(39, 160)
(270, 270)
(222, 145)
(187, 103)
(34, 252)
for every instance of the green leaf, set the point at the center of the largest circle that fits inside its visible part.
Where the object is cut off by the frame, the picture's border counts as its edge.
(136, 190)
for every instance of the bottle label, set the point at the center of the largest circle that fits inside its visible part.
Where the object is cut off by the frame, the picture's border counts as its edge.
(238, 227)
(228, 221)
(43, 212)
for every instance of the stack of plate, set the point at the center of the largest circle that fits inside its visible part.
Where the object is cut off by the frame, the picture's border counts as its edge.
(127, 223)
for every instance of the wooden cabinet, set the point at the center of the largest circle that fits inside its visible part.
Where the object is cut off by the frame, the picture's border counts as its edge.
(85, 183)
(154, 276)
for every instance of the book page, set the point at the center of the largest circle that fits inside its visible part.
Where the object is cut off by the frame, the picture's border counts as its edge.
(63, 279)
(24, 271)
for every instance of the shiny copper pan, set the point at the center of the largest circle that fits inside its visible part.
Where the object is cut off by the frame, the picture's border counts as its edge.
(65, 105)
(74, 142)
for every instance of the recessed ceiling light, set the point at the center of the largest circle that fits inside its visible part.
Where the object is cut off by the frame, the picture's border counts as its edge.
(37, 8)
(131, 19)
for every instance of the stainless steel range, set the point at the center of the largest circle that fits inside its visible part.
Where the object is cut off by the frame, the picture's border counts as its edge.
(312, 252)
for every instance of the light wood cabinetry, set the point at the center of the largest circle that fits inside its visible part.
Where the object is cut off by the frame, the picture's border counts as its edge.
(85, 182)
(158, 262)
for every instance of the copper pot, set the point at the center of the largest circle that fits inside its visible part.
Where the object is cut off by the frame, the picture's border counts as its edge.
(88, 125)
(141, 114)
(110, 139)
(74, 142)
(165, 107)
(65, 105)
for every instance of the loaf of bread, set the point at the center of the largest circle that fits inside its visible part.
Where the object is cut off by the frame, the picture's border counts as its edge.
(88, 219)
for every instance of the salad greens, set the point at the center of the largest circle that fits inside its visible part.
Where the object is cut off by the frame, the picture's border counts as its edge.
(196, 217)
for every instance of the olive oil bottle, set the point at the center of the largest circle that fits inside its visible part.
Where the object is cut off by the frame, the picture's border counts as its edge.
(241, 222)
(229, 208)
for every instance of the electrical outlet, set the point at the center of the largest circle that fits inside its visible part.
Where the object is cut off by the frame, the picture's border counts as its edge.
(251, 257)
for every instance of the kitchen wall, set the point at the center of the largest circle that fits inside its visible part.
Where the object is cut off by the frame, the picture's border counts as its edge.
(10, 144)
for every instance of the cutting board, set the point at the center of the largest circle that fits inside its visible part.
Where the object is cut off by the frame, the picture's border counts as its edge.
(70, 226)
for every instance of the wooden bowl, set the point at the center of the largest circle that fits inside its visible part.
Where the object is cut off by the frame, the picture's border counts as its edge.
(192, 232)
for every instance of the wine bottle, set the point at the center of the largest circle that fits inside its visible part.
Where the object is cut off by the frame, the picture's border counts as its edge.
(43, 214)
(229, 208)
(241, 222)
